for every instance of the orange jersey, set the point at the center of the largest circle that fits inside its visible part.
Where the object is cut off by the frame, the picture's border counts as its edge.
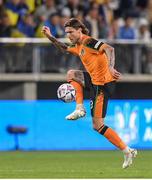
(95, 61)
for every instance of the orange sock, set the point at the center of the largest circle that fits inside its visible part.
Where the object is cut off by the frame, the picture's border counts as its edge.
(79, 91)
(113, 137)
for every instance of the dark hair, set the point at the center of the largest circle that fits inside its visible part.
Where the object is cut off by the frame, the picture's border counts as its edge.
(76, 24)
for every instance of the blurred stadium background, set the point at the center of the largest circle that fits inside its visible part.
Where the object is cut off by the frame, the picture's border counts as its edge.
(31, 69)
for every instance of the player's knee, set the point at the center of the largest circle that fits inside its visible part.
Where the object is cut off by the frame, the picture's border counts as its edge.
(97, 124)
(70, 75)
(95, 127)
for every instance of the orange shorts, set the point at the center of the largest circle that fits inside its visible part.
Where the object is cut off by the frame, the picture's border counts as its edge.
(99, 95)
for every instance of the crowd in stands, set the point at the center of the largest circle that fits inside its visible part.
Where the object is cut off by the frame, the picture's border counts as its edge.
(110, 19)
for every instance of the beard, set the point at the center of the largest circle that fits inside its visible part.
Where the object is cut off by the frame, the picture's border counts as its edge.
(75, 41)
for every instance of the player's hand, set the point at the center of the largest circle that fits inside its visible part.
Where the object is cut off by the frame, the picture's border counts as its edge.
(46, 31)
(115, 73)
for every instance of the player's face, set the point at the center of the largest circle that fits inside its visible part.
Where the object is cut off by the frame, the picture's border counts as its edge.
(73, 34)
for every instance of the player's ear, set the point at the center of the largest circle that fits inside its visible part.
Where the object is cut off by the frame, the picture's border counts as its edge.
(80, 29)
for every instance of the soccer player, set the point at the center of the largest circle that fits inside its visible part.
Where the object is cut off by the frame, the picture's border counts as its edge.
(98, 59)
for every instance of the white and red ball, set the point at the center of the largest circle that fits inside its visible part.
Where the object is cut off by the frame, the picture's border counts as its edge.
(66, 92)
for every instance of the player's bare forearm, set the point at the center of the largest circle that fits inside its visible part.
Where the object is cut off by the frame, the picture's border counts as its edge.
(58, 44)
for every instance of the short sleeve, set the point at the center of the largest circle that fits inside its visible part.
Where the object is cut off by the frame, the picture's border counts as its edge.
(73, 50)
(93, 43)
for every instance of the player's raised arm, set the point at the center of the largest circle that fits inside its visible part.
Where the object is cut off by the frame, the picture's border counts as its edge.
(46, 31)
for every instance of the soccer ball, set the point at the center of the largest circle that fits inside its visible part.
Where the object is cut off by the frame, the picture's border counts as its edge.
(66, 92)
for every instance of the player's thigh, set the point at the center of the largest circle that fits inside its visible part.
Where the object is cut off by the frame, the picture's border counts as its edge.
(87, 81)
(99, 102)
(76, 75)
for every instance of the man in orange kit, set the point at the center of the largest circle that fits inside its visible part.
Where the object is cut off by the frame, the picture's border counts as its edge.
(98, 59)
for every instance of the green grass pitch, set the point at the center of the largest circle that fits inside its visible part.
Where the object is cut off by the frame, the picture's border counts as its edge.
(73, 164)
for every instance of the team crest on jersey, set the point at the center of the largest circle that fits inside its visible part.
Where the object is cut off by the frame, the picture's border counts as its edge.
(82, 52)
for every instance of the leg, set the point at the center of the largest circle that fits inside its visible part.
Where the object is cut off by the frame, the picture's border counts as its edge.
(76, 78)
(98, 111)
